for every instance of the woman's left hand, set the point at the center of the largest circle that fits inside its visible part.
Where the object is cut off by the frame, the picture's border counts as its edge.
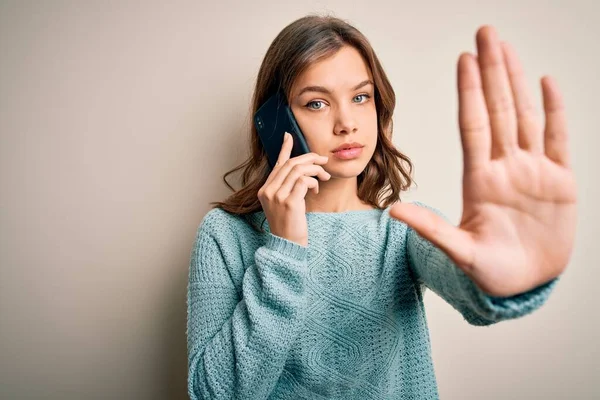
(519, 194)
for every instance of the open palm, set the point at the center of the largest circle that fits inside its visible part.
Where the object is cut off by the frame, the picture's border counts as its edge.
(519, 195)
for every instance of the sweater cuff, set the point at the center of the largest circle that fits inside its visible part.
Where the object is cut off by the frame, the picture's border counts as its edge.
(286, 247)
(491, 308)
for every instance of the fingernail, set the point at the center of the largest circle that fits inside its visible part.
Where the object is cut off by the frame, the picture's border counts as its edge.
(287, 135)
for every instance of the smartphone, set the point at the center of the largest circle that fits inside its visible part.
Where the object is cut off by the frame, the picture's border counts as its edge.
(272, 120)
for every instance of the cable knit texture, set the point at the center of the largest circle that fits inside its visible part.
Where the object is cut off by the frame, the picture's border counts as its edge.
(342, 318)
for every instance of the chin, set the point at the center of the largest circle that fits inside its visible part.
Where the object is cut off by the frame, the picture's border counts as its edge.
(348, 169)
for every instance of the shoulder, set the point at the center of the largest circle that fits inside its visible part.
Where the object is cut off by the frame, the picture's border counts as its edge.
(421, 204)
(225, 227)
(434, 210)
(429, 207)
(218, 222)
(216, 219)
(401, 226)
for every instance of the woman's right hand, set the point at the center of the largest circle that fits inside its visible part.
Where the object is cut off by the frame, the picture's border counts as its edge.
(282, 195)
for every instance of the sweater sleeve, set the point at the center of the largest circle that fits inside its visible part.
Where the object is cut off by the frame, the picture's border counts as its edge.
(434, 269)
(237, 347)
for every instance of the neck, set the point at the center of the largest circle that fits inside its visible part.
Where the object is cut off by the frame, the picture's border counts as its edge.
(335, 195)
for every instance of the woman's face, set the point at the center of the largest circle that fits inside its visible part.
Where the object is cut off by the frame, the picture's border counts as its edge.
(333, 102)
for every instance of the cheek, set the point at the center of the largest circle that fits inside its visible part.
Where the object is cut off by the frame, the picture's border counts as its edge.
(312, 120)
(305, 122)
(371, 114)
(313, 127)
(368, 122)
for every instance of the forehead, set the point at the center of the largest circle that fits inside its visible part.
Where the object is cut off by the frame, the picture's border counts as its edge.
(343, 70)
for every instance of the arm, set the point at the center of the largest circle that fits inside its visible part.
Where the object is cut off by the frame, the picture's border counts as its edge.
(433, 268)
(237, 347)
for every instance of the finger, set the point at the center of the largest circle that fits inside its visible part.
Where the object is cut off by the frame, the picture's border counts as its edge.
(301, 187)
(472, 113)
(308, 157)
(453, 241)
(555, 131)
(284, 155)
(286, 150)
(300, 171)
(497, 91)
(529, 131)
(283, 171)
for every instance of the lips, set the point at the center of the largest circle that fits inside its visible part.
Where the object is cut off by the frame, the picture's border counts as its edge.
(347, 146)
(348, 154)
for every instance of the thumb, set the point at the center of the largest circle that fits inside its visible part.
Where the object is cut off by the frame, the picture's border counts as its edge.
(455, 242)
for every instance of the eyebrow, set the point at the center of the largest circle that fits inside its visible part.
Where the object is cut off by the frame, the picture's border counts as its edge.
(322, 89)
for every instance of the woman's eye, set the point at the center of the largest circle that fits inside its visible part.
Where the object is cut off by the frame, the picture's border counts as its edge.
(311, 103)
(362, 95)
(314, 102)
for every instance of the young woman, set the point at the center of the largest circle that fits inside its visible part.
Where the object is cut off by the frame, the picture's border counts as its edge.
(307, 283)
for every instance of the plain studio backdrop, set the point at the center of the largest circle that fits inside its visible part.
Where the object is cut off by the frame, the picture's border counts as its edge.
(118, 120)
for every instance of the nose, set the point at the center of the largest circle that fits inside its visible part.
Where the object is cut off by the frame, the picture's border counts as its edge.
(344, 122)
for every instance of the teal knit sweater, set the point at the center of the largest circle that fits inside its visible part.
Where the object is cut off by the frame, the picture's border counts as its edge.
(342, 318)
